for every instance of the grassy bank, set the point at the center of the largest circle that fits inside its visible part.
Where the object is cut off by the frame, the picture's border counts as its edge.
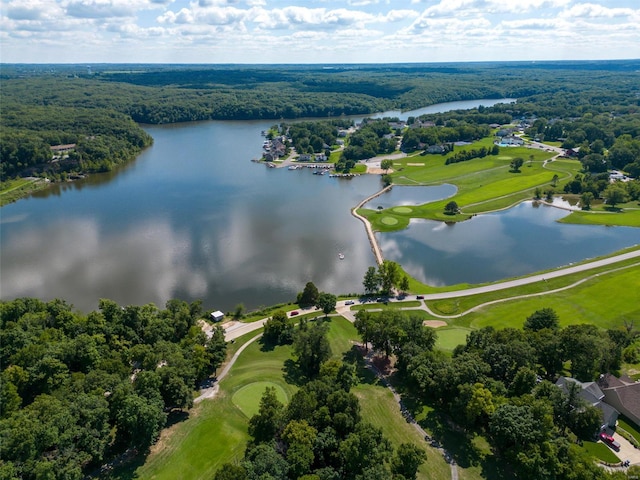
(13, 190)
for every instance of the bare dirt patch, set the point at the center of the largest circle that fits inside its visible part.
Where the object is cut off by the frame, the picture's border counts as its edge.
(378, 171)
(434, 323)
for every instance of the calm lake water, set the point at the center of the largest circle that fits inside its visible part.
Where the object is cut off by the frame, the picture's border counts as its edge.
(514, 242)
(193, 218)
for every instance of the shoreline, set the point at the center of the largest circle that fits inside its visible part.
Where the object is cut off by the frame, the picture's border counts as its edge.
(377, 251)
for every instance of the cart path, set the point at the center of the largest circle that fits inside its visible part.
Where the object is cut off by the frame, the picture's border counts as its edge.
(235, 329)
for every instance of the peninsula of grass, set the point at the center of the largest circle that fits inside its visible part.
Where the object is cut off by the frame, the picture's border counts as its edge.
(625, 215)
(483, 184)
(488, 184)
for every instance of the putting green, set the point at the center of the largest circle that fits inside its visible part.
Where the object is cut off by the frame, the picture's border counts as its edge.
(247, 399)
(402, 209)
(450, 338)
(389, 220)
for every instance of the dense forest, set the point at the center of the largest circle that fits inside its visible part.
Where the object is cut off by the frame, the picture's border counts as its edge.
(78, 390)
(48, 105)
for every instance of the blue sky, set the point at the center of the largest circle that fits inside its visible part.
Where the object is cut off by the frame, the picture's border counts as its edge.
(316, 31)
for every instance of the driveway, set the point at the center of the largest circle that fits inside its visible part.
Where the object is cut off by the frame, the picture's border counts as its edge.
(627, 451)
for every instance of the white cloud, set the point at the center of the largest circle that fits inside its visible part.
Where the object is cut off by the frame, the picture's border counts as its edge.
(590, 10)
(399, 15)
(372, 30)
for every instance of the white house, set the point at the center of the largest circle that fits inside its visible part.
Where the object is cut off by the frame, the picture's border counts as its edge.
(217, 316)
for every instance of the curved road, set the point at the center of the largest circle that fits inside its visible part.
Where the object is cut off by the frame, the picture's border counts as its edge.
(234, 329)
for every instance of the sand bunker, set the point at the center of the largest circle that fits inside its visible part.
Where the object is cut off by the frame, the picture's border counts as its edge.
(415, 164)
(434, 323)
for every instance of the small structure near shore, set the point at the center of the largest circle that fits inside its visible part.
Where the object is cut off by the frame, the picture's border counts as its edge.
(217, 316)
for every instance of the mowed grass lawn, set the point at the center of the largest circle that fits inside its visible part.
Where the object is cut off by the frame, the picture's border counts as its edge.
(380, 409)
(606, 301)
(216, 430)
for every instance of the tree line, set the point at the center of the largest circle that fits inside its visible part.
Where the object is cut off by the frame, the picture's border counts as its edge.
(48, 105)
(77, 390)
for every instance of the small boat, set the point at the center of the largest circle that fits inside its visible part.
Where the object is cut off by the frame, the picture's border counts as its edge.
(341, 256)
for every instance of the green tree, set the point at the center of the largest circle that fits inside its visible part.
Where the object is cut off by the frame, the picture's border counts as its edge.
(615, 194)
(326, 302)
(407, 459)
(479, 406)
(364, 447)
(404, 284)
(175, 392)
(371, 281)
(516, 163)
(589, 352)
(451, 208)
(230, 471)
(299, 437)
(386, 164)
(586, 198)
(585, 421)
(278, 329)
(388, 273)
(311, 347)
(263, 462)
(309, 296)
(216, 348)
(537, 195)
(544, 318)
(364, 326)
(264, 424)
(238, 311)
(139, 420)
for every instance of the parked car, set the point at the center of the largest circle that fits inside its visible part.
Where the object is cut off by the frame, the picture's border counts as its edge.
(349, 302)
(419, 297)
(609, 440)
(295, 312)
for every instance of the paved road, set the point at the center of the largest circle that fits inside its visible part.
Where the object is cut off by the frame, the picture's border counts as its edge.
(234, 329)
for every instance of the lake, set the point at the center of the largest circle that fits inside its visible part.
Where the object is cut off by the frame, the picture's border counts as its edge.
(194, 218)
